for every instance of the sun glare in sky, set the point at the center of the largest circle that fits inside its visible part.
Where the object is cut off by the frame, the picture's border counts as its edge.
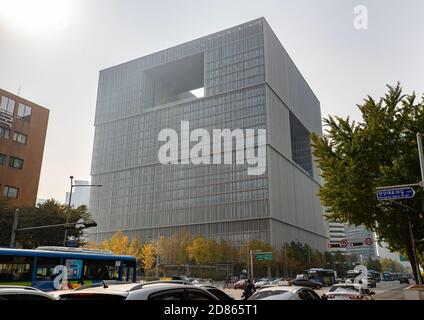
(35, 15)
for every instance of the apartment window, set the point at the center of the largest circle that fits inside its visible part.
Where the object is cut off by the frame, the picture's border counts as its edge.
(3, 158)
(24, 112)
(20, 137)
(7, 105)
(16, 163)
(4, 133)
(10, 192)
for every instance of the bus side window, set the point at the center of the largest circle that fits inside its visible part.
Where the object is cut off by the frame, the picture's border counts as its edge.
(45, 267)
(100, 270)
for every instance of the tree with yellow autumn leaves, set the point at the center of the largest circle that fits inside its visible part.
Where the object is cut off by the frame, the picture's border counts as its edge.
(181, 249)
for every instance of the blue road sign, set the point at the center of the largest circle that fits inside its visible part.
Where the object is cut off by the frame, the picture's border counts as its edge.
(395, 193)
(72, 243)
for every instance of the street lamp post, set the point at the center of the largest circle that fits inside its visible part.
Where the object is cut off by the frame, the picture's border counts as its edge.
(14, 228)
(70, 201)
(421, 156)
(79, 223)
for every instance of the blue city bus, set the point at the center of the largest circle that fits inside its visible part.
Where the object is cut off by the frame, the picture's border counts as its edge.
(36, 267)
(325, 276)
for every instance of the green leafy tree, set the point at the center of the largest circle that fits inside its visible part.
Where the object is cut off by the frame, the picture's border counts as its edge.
(49, 213)
(391, 265)
(374, 264)
(380, 150)
(226, 252)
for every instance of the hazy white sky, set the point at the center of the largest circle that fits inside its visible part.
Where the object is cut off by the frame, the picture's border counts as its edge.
(54, 50)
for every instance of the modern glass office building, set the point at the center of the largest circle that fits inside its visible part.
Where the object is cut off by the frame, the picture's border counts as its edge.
(249, 82)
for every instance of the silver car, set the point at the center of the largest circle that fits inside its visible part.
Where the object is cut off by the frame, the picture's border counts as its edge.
(10, 292)
(285, 293)
(156, 290)
(348, 291)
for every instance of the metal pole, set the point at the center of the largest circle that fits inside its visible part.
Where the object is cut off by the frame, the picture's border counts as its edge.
(157, 258)
(414, 254)
(251, 265)
(286, 273)
(309, 257)
(14, 228)
(67, 212)
(248, 261)
(421, 156)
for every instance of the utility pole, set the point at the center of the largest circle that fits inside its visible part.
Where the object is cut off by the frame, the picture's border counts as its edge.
(251, 264)
(414, 253)
(65, 238)
(309, 257)
(157, 258)
(14, 228)
(421, 157)
(286, 271)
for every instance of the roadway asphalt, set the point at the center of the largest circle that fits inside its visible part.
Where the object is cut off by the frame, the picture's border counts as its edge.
(386, 290)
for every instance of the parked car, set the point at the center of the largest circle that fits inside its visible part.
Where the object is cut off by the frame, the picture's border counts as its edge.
(221, 295)
(240, 284)
(403, 280)
(261, 282)
(9, 292)
(155, 290)
(300, 282)
(349, 292)
(276, 280)
(180, 277)
(285, 293)
(341, 280)
(279, 282)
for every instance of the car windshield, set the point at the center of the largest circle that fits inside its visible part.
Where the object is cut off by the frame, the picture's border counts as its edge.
(91, 296)
(344, 289)
(264, 294)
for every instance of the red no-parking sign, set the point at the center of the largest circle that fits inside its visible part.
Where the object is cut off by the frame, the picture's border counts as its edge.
(344, 243)
(368, 241)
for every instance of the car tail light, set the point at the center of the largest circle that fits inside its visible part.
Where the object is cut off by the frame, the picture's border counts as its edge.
(330, 296)
(356, 297)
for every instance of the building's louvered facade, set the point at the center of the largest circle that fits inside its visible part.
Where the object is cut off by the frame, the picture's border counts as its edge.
(249, 83)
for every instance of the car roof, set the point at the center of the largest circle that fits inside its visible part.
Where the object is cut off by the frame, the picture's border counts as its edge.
(286, 288)
(8, 287)
(347, 284)
(125, 289)
(206, 285)
(5, 290)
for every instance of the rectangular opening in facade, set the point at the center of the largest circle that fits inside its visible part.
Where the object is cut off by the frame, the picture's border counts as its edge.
(301, 144)
(177, 80)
